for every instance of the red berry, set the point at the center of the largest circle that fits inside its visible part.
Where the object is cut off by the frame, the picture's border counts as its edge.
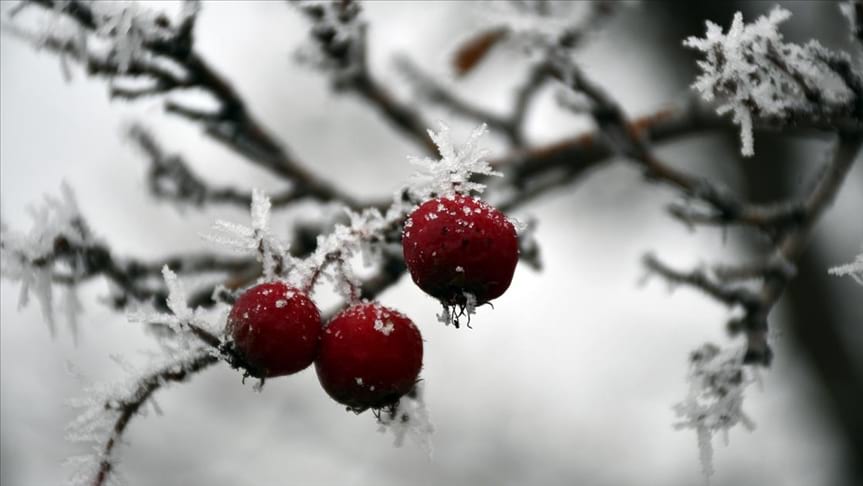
(459, 244)
(370, 356)
(276, 327)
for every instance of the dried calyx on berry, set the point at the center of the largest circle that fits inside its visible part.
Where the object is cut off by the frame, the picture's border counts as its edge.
(461, 251)
(370, 356)
(276, 328)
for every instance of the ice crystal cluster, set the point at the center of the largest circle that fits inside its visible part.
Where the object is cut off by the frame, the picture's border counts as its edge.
(103, 406)
(755, 75)
(410, 418)
(536, 24)
(127, 27)
(120, 34)
(714, 403)
(256, 239)
(452, 173)
(40, 257)
(337, 42)
(366, 230)
(854, 269)
(181, 317)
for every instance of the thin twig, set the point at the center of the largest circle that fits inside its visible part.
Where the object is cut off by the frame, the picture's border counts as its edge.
(129, 406)
(231, 124)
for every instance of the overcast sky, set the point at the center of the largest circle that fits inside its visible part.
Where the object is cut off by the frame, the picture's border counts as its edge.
(568, 380)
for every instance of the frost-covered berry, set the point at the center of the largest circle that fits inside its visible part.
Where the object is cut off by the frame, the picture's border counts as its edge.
(370, 356)
(276, 328)
(460, 245)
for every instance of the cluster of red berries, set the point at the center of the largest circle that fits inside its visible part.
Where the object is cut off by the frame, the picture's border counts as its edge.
(369, 356)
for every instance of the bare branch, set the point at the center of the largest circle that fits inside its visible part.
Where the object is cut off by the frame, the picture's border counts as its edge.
(778, 269)
(130, 405)
(231, 124)
(339, 33)
(169, 177)
(434, 92)
(790, 238)
(699, 279)
(791, 246)
(724, 206)
(134, 278)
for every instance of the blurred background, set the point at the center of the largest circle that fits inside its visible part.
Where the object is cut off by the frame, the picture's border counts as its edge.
(569, 380)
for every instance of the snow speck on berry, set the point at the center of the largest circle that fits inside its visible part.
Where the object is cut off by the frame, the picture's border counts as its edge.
(276, 328)
(377, 344)
(463, 255)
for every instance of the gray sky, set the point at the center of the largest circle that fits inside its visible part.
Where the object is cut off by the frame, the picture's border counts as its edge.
(570, 379)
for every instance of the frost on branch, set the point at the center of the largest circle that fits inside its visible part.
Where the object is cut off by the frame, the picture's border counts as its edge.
(409, 418)
(105, 410)
(118, 33)
(717, 381)
(368, 231)
(755, 75)
(534, 25)
(854, 269)
(452, 173)
(127, 27)
(41, 257)
(338, 40)
(196, 340)
(256, 240)
(333, 252)
(181, 318)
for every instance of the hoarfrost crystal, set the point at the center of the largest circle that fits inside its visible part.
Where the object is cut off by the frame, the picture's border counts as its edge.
(257, 239)
(854, 269)
(39, 259)
(758, 76)
(451, 174)
(717, 381)
(410, 418)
